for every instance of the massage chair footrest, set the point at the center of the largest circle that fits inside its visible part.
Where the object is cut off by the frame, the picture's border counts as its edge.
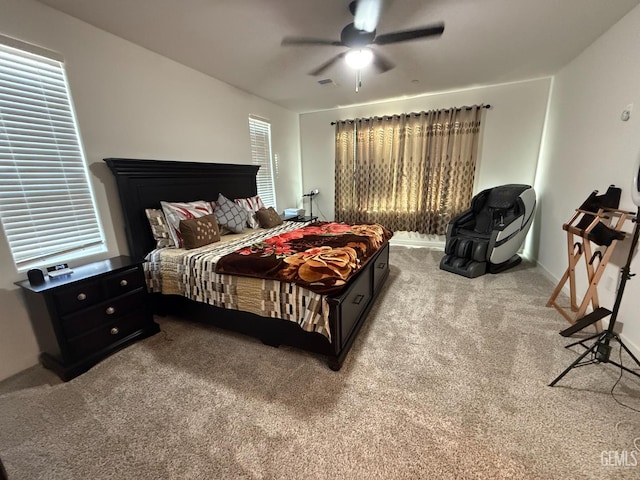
(463, 266)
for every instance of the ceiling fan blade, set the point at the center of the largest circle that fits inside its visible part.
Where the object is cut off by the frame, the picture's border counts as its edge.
(310, 41)
(367, 14)
(403, 36)
(329, 63)
(381, 63)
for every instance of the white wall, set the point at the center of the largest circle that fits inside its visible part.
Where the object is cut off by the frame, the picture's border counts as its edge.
(508, 152)
(587, 147)
(133, 103)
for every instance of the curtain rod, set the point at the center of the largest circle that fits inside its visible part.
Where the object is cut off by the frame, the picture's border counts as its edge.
(409, 114)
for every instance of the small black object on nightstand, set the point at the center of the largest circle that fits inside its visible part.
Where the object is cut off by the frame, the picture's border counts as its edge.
(35, 276)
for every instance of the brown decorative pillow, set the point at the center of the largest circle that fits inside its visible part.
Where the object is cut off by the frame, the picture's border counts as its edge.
(200, 231)
(176, 211)
(268, 217)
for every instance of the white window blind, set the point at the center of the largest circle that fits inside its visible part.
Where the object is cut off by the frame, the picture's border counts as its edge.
(46, 203)
(260, 132)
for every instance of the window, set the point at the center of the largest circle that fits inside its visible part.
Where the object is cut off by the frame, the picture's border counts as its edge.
(47, 208)
(260, 132)
(409, 172)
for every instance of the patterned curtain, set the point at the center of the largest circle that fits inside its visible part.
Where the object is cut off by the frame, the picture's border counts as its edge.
(407, 172)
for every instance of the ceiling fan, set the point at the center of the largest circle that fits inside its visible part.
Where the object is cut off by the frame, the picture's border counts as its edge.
(361, 34)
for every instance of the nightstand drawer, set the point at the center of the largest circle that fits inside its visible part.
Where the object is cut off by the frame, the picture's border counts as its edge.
(87, 319)
(106, 335)
(77, 297)
(124, 282)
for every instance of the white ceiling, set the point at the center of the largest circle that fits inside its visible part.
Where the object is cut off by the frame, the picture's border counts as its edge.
(238, 41)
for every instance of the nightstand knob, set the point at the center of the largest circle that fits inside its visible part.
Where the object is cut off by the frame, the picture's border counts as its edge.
(81, 296)
(114, 331)
(123, 283)
(110, 310)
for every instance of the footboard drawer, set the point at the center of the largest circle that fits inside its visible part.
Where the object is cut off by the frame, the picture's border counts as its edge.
(381, 268)
(354, 303)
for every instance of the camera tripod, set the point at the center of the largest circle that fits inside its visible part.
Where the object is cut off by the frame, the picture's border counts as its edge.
(600, 350)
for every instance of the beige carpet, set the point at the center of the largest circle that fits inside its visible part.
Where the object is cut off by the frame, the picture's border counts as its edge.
(448, 379)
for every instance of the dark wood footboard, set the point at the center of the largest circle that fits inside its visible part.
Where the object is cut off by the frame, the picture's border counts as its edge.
(350, 309)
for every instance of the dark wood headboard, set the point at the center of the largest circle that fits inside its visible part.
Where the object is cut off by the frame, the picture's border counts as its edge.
(145, 183)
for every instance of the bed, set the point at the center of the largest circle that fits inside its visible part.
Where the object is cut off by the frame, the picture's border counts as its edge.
(143, 184)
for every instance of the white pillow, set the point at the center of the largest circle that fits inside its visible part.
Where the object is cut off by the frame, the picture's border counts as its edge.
(176, 211)
(251, 205)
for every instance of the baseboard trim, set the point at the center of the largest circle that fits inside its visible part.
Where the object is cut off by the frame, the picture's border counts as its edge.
(418, 240)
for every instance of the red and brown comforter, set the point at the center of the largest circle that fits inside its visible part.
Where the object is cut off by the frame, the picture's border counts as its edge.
(322, 256)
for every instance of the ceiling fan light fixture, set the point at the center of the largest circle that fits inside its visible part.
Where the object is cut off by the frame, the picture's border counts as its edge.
(359, 58)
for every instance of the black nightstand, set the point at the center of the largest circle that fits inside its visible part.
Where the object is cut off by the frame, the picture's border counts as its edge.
(79, 319)
(300, 219)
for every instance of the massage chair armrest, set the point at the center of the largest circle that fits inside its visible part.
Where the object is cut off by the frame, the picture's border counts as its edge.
(464, 220)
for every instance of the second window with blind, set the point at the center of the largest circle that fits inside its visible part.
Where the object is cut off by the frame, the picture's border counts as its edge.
(260, 136)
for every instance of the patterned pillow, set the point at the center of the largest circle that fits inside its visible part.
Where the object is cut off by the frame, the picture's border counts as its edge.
(159, 228)
(198, 232)
(251, 205)
(230, 214)
(176, 211)
(268, 217)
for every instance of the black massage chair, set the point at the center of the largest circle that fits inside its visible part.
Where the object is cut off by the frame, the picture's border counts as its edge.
(486, 237)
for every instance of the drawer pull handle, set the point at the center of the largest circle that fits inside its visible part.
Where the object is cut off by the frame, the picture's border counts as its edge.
(382, 264)
(358, 299)
(110, 310)
(123, 283)
(81, 297)
(114, 331)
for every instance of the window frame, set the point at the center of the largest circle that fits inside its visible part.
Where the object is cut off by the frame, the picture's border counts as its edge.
(46, 195)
